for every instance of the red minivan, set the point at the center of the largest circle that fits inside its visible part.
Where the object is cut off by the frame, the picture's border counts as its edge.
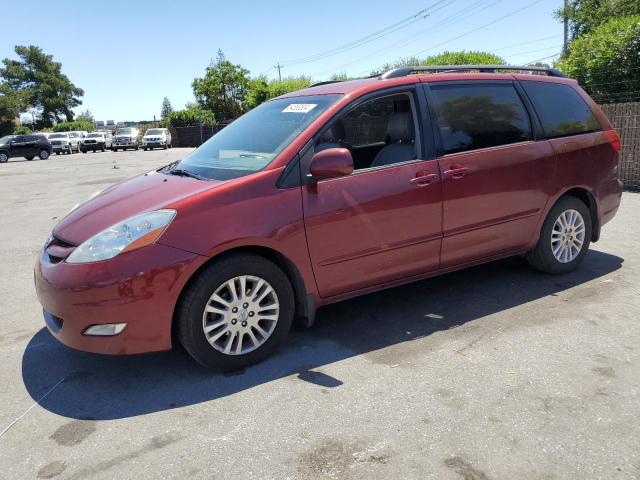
(319, 195)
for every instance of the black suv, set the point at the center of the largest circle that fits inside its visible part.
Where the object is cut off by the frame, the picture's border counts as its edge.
(27, 146)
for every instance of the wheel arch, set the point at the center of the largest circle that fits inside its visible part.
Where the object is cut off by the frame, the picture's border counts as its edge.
(589, 200)
(305, 305)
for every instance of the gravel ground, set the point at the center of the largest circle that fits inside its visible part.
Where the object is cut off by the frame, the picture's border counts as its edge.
(496, 372)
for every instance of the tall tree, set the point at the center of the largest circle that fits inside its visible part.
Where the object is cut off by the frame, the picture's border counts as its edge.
(35, 80)
(86, 116)
(223, 89)
(585, 16)
(606, 61)
(166, 108)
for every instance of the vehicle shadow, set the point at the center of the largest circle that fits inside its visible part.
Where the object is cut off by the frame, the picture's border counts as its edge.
(87, 386)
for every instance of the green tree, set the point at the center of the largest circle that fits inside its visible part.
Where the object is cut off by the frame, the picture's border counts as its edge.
(261, 89)
(586, 15)
(77, 125)
(191, 115)
(86, 115)
(258, 91)
(223, 89)
(166, 109)
(35, 80)
(606, 61)
(288, 84)
(462, 57)
(22, 130)
(11, 105)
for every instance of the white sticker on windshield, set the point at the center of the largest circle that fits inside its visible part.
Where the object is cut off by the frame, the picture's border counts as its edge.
(300, 108)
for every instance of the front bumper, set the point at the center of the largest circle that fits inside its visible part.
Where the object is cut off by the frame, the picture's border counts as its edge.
(125, 144)
(139, 288)
(61, 148)
(153, 144)
(92, 146)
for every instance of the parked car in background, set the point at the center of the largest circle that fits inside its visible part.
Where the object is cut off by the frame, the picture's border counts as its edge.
(64, 142)
(327, 193)
(126, 138)
(96, 141)
(27, 146)
(156, 138)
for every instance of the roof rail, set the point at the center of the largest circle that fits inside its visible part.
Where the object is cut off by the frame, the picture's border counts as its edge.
(404, 71)
(326, 82)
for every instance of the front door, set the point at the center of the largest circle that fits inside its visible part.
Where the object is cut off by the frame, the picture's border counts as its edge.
(383, 222)
(495, 177)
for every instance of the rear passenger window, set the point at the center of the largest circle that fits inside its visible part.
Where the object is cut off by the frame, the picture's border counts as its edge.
(561, 110)
(479, 116)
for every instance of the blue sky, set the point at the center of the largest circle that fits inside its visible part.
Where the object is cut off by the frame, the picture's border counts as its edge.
(128, 55)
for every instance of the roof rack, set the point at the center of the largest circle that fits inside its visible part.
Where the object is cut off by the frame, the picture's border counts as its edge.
(326, 82)
(404, 71)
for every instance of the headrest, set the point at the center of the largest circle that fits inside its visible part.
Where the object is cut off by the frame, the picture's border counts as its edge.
(334, 133)
(400, 127)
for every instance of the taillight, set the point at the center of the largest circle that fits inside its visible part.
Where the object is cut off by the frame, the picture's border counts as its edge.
(614, 139)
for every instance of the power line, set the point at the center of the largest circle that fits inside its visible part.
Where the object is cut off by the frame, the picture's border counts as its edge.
(499, 19)
(525, 43)
(429, 31)
(405, 22)
(543, 58)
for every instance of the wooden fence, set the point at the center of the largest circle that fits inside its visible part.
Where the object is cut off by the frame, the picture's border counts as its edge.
(625, 118)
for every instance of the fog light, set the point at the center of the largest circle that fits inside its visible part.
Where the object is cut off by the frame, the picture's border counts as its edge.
(105, 329)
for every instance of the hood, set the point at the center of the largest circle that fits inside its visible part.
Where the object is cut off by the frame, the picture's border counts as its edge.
(144, 193)
(159, 135)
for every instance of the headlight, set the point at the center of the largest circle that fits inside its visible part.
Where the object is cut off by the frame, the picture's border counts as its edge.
(131, 234)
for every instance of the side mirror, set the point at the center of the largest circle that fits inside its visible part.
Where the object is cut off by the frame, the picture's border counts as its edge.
(331, 163)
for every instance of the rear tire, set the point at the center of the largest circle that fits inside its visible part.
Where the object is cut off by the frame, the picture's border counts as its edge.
(237, 324)
(43, 154)
(564, 238)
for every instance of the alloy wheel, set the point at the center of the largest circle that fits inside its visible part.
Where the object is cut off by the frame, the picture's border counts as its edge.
(241, 315)
(567, 236)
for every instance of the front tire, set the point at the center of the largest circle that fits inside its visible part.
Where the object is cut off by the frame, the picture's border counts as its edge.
(235, 312)
(4, 158)
(43, 154)
(564, 239)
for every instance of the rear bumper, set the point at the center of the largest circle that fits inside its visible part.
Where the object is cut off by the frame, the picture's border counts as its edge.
(609, 195)
(139, 288)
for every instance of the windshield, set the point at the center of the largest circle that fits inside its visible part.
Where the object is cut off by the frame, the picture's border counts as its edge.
(6, 139)
(95, 135)
(124, 131)
(253, 140)
(59, 135)
(154, 131)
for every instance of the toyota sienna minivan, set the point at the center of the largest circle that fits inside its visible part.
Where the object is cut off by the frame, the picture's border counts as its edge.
(326, 193)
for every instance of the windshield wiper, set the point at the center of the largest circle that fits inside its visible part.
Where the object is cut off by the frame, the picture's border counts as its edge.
(185, 173)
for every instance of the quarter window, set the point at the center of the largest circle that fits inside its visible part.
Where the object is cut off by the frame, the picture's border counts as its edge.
(561, 110)
(479, 116)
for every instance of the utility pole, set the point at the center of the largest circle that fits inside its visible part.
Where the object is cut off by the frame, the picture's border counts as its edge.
(566, 29)
(278, 66)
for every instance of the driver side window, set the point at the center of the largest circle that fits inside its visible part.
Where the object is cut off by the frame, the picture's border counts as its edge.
(378, 132)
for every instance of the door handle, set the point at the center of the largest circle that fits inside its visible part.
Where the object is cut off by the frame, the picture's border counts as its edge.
(456, 172)
(423, 180)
